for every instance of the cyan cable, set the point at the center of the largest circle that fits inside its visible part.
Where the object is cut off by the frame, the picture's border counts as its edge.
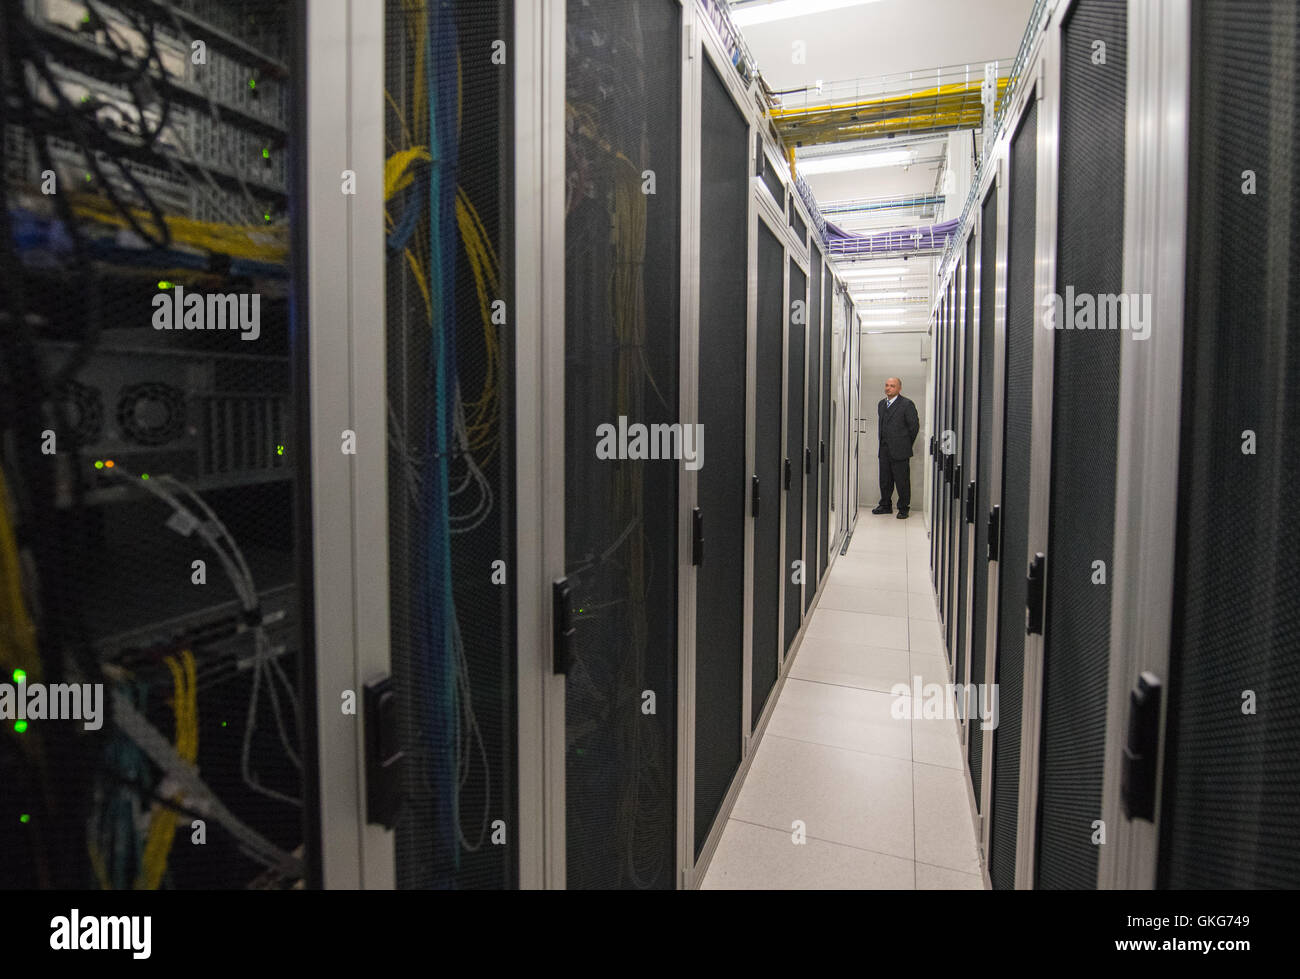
(441, 714)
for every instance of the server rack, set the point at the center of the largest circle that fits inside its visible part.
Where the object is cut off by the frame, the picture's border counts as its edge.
(1071, 524)
(155, 544)
(1115, 605)
(1202, 288)
(449, 125)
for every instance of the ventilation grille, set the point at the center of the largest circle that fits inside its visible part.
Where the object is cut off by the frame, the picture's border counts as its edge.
(1228, 816)
(1017, 431)
(1084, 422)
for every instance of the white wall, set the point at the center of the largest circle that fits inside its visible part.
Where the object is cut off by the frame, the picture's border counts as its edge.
(892, 355)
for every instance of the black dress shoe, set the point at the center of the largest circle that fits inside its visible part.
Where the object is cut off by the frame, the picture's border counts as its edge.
(883, 509)
(902, 514)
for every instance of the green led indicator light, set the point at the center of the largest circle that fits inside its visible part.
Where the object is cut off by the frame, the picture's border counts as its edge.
(99, 463)
(164, 284)
(87, 178)
(252, 83)
(25, 818)
(20, 726)
(266, 153)
(223, 723)
(267, 215)
(279, 450)
(144, 475)
(85, 98)
(20, 676)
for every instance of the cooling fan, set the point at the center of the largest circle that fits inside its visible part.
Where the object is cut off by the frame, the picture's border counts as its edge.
(151, 413)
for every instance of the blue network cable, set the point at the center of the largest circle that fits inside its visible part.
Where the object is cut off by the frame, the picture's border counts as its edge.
(442, 711)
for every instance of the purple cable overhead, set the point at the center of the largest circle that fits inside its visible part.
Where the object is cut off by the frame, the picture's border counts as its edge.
(902, 240)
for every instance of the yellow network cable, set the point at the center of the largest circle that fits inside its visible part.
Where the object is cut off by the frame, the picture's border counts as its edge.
(162, 824)
(254, 242)
(17, 631)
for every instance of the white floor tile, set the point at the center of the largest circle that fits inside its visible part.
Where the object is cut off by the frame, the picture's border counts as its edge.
(751, 857)
(879, 577)
(921, 607)
(942, 879)
(936, 741)
(930, 667)
(945, 835)
(889, 631)
(851, 664)
(844, 717)
(840, 796)
(848, 598)
(924, 636)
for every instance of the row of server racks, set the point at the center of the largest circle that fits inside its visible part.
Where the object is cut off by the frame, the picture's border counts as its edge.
(356, 364)
(1115, 374)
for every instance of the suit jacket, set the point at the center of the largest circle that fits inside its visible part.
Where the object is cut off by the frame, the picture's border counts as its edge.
(898, 427)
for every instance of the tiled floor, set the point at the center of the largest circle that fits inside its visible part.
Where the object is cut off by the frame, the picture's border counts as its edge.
(881, 800)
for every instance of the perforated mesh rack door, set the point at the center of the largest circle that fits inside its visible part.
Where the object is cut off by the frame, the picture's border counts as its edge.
(1084, 421)
(768, 459)
(794, 373)
(451, 617)
(824, 449)
(984, 472)
(945, 487)
(813, 414)
(954, 487)
(149, 421)
(1016, 432)
(1228, 814)
(940, 404)
(723, 482)
(622, 272)
(967, 459)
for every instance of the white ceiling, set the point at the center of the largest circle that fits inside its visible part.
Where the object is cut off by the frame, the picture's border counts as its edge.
(887, 37)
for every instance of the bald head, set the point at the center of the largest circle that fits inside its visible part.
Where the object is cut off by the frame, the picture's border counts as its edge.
(892, 386)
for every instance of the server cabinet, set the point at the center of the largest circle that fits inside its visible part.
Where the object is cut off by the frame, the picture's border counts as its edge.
(826, 439)
(769, 454)
(991, 239)
(1017, 431)
(793, 478)
(857, 409)
(722, 502)
(966, 502)
(620, 517)
(155, 533)
(1065, 709)
(955, 478)
(1212, 387)
(451, 474)
(936, 450)
(812, 412)
(1227, 809)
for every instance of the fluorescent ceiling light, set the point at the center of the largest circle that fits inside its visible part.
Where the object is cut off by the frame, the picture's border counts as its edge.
(884, 323)
(853, 161)
(881, 312)
(870, 271)
(863, 296)
(765, 13)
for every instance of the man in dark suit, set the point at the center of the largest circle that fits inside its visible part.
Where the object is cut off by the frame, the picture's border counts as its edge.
(899, 424)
